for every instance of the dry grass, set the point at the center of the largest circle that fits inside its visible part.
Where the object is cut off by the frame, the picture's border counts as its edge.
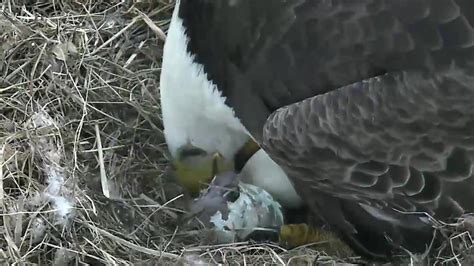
(83, 166)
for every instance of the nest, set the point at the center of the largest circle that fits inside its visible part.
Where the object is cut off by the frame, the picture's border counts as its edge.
(84, 174)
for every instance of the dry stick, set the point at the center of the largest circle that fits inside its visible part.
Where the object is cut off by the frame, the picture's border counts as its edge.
(135, 19)
(134, 246)
(103, 175)
(19, 222)
(3, 162)
(2, 154)
(152, 26)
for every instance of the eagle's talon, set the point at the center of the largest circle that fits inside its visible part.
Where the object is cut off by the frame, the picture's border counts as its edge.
(296, 235)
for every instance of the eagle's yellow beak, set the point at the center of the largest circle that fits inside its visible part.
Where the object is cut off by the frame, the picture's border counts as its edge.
(195, 168)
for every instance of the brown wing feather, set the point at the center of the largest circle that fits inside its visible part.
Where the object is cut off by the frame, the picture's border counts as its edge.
(383, 142)
(354, 140)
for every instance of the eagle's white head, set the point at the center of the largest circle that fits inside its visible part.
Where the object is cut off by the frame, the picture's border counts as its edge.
(202, 132)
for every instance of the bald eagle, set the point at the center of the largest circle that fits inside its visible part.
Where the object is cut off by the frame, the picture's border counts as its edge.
(363, 109)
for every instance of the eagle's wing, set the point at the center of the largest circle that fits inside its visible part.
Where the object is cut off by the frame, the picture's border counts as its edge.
(404, 137)
(402, 140)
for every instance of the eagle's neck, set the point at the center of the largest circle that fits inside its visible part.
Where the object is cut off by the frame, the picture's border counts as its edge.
(194, 111)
